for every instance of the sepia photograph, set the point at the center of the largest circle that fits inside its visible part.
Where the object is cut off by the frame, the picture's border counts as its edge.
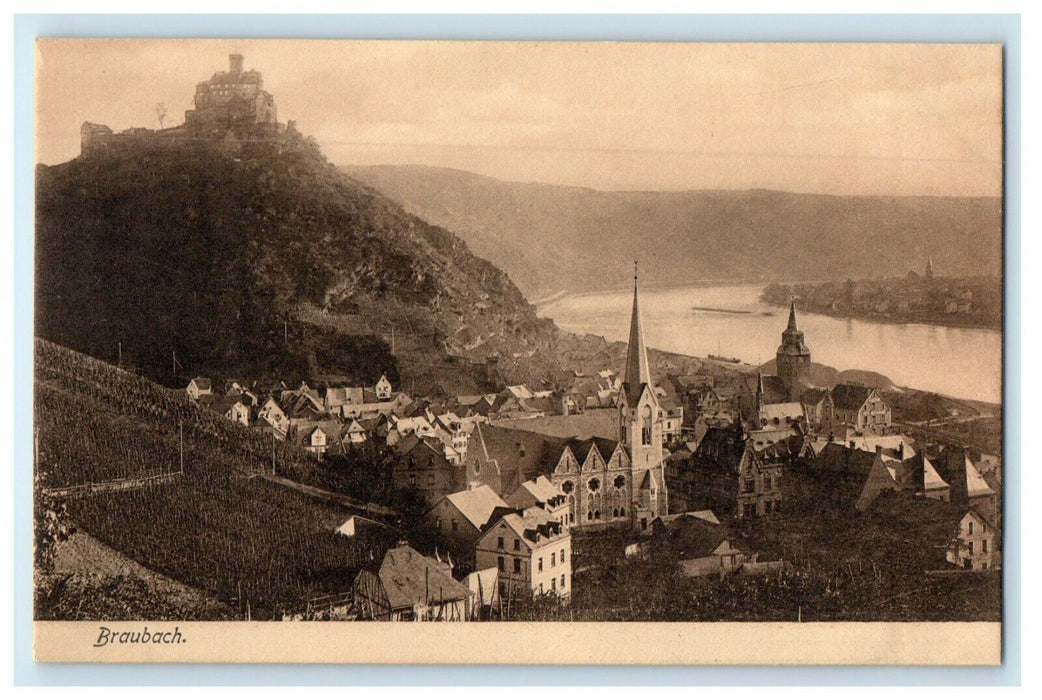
(513, 336)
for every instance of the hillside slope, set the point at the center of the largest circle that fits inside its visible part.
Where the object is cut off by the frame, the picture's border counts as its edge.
(219, 526)
(549, 237)
(254, 258)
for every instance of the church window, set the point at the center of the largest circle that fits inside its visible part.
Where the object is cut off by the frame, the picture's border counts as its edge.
(594, 485)
(620, 481)
(614, 512)
(622, 512)
(596, 515)
(589, 515)
(567, 487)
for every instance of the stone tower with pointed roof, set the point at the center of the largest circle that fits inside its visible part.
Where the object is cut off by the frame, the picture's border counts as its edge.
(640, 425)
(793, 356)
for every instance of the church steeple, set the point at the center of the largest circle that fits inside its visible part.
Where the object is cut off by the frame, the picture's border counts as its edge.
(638, 370)
(792, 316)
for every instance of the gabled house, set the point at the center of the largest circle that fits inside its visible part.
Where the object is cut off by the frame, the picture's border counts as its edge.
(541, 493)
(420, 463)
(700, 545)
(531, 553)
(861, 407)
(383, 388)
(409, 586)
(457, 519)
(234, 409)
(271, 413)
(200, 386)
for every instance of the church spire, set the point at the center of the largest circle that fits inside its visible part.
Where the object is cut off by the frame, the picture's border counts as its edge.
(638, 371)
(792, 315)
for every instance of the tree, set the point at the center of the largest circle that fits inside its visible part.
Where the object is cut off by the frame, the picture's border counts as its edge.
(50, 523)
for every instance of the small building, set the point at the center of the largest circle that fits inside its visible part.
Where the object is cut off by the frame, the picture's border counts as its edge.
(271, 413)
(407, 586)
(200, 386)
(383, 388)
(420, 463)
(457, 518)
(541, 493)
(759, 487)
(700, 545)
(234, 409)
(531, 553)
(861, 407)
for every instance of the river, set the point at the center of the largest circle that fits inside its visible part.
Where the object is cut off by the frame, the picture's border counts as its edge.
(961, 362)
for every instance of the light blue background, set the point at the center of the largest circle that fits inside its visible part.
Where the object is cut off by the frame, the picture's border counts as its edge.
(1003, 29)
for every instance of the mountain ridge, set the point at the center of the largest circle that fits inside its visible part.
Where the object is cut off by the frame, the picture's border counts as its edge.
(551, 237)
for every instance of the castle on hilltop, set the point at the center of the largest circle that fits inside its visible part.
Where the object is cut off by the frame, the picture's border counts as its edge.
(232, 105)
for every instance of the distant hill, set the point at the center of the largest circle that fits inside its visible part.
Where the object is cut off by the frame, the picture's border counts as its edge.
(259, 258)
(549, 237)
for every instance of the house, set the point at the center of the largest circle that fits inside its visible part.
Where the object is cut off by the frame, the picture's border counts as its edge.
(200, 386)
(354, 433)
(759, 487)
(271, 413)
(977, 547)
(314, 439)
(861, 407)
(818, 408)
(234, 409)
(409, 586)
(892, 471)
(457, 518)
(700, 546)
(383, 389)
(420, 463)
(968, 486)
(540, 492)
(531, 553)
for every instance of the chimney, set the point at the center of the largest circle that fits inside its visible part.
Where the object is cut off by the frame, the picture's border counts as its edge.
(235, 61)
(901, 450)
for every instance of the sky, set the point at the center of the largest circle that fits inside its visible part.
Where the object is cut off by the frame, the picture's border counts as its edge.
(885, 119)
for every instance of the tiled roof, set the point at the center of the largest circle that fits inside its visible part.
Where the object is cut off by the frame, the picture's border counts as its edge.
(477, 504)
(409, 578)
(850, 397)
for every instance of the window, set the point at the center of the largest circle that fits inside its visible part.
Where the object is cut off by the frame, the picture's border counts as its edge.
(499, 543)
(562, 556)
(562, 580)
(984, 546)
(540, 563)
(553, 559)
(567, 487)
(596, 515)
(517, 545)
(971, 527)
(748, 485)
(430, 479)
(502, 564)
(766, 483)
(553, 584)
(517, 566)
(620, 481)
(614, 512)
(455, 525)
(540, 589)
(594, 485)
(589, 515)
(971, 549)
(437, 523)
(622, 512)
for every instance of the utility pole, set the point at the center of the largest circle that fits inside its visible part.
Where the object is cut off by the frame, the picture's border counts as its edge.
(181, 444)
(120, 362)
(173, 354)
(273, 451)
(285, 331)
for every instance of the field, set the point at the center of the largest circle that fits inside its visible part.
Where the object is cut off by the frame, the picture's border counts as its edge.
(256, 546)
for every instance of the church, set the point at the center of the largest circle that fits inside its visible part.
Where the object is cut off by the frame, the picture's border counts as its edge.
(617, 483)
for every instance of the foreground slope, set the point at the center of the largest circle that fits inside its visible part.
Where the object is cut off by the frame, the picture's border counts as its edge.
(219, 527)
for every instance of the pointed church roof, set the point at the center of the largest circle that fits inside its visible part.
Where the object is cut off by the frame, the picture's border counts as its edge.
(638, 370)
(792, 316)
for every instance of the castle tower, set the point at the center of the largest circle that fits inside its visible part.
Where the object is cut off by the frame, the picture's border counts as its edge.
(640, 425)
(793, 356)
(235, 63)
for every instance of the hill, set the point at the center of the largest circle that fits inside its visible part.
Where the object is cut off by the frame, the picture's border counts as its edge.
(258, 258)
(549, 237)
(218, 526)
